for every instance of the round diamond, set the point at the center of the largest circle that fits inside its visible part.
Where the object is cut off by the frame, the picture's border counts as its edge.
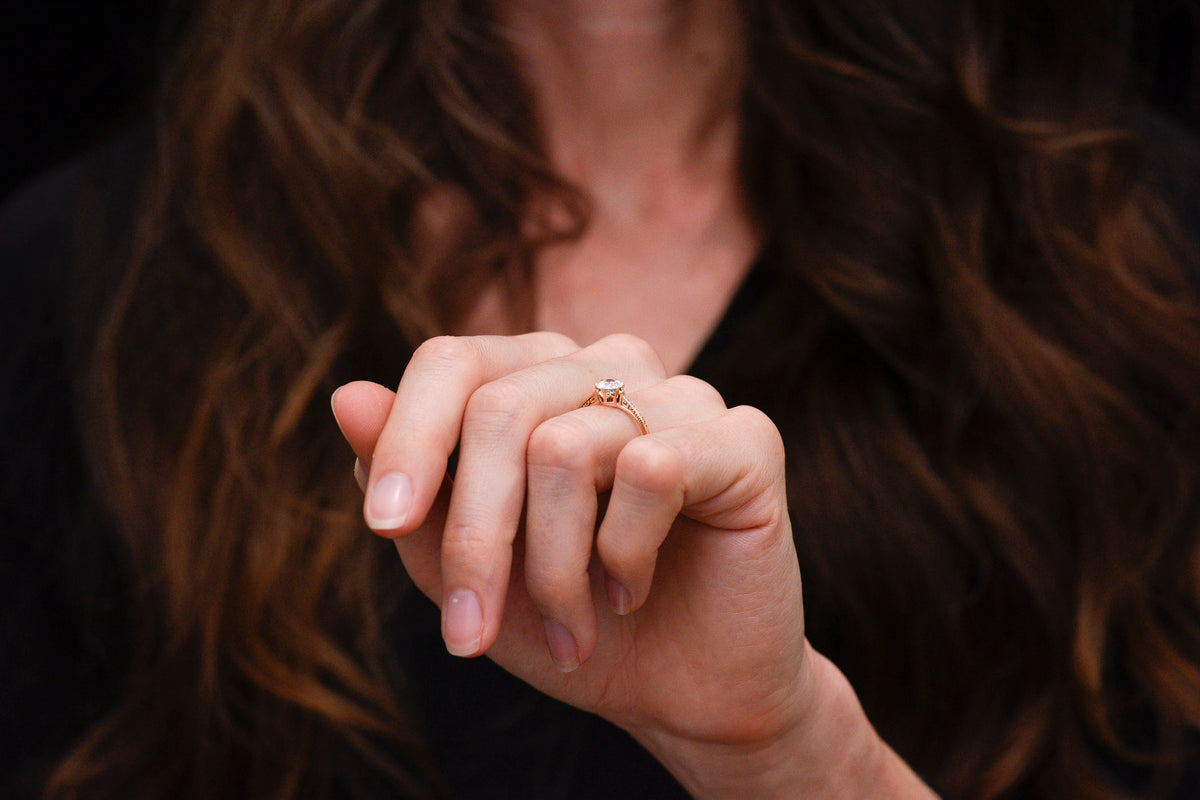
(610, 385)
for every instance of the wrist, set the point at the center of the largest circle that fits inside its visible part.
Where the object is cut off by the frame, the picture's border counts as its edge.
(823, 748)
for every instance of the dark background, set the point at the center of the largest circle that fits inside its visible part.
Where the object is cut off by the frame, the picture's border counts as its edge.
(73, 71)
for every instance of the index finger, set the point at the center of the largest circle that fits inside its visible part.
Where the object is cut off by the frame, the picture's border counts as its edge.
(423, 427)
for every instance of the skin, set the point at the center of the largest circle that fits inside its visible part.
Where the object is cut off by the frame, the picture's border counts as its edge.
(639, 105)
(649, 579)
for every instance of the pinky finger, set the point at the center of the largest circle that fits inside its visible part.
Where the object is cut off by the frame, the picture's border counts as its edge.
(725, 473)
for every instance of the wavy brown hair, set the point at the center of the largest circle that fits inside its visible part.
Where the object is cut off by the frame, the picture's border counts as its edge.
(990, 399)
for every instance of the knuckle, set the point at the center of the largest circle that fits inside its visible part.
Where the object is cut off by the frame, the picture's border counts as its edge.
(758, 424)
(444, 353)
(465, 543)
(651, 465)
(557, 341)
(697, 390)
(495, 405)
(761, 430)
(561, 443)
(633, 349)
(551, 589)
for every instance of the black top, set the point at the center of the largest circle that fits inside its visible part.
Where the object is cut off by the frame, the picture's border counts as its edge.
(61, 598)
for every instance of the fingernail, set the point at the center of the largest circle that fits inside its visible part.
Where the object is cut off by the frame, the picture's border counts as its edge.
(333, 407)
(360, 474)
(388, 501)
(463, 623)
(619, 597)
(563, 649)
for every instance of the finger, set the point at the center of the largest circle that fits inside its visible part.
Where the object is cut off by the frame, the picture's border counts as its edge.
(408, 461)
(559, 527)
(361, 410)
(726, 472)
(421, 550)
(485, 508)
(570, 458)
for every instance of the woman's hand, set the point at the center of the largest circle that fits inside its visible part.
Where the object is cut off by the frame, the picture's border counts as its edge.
(674, 611)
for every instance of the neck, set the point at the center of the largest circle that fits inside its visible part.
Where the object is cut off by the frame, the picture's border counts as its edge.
(633, 95)
(639, 106)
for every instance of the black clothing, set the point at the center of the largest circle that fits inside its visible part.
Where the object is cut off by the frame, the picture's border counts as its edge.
(61, 593)
(61, 598)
